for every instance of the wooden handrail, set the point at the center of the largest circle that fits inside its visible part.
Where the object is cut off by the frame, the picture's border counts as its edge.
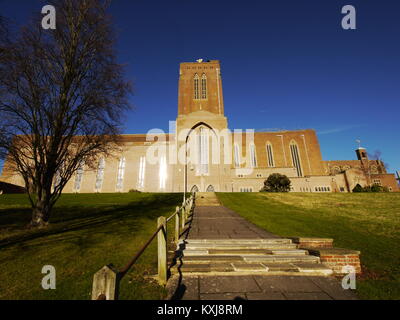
(176, 212)
(106, 280)
(123, 271)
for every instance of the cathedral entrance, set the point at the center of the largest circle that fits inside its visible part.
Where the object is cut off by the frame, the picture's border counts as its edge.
(210, 188)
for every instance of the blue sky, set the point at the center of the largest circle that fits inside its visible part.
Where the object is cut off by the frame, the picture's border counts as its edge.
(286, 64)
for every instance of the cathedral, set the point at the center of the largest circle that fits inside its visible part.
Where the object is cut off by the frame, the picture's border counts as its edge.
(202, 154)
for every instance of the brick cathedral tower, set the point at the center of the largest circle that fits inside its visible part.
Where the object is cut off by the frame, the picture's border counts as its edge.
(201, 113)
(200, 98)
(200, 87)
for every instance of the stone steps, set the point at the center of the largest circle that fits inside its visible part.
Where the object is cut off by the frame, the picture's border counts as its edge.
(242, 247)
(274, 256)
(269, 245)
(242, 251)
(217, 242)
(243, 268)
(250, 258)
(208, 199)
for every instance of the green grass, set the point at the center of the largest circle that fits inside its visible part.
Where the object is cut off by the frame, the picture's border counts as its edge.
(366, 222)
(87, 231)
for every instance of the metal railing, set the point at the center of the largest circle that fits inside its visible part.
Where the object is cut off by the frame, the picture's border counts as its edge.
(106, 281)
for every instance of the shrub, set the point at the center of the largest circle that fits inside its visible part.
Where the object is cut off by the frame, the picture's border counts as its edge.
(133, 190)
(378, 188)
(367, 189)
(373, 188)
(358, 188)
(276, 182)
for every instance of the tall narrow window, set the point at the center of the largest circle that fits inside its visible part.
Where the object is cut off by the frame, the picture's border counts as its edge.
(253, 158)
(121, 173)
(100, 174)
(203, 86)
(294, 150)
(270, 155)
(78, 177)
(142, 169)
(236, 156)
(163, 172)
(203, 152)
(196, 87)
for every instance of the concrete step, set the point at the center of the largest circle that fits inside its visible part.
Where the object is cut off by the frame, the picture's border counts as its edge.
(243, 268)
(281, 259)
(238, 246)
(207, 199)
(212, 259)
(283, 252)
(250, 259)
(238, 241)
(241, 251)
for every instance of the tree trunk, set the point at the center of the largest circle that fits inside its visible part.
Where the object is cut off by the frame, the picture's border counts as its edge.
(41, 214)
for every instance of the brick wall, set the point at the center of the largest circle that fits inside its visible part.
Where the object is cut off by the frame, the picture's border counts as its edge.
(337, 258)
(338, 261)
(313, 242)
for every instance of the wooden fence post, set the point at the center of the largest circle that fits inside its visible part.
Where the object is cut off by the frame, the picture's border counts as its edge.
(177, 225)
(183, 217)
(162, 250)
(105, 284)
(190, 205)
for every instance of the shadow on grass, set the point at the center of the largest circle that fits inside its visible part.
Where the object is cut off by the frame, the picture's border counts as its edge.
(86, 232)
(76, 218)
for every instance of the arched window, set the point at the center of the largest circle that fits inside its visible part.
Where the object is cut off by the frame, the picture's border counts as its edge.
(100, 174)
(270, 155)
(203, 154)
(58, 177)
(121, 172)
(196, 87)
(79, 177)
(203, 86)
(236, 156)
(294, 150)
(210, 188)
(163, 172)
(142, 169)
(194, 189)
(253, 157)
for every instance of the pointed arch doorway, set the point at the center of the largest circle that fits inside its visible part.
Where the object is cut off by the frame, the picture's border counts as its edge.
(210, 188)
(194, 189)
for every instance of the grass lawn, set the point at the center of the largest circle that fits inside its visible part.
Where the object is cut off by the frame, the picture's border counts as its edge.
(366, 222)
(87, 231)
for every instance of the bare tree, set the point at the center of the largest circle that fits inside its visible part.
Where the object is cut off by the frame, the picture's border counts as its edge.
(376, 155)
(62, 99)
(3, 32)
(4, 43)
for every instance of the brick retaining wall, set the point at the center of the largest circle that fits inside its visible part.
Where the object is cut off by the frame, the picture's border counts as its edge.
(337, 258)
(334, 258)
(313, 242)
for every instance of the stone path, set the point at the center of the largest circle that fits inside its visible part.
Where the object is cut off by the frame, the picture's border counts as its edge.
(257, 288)
(226, 257)
(218, 222)
(213, 221)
